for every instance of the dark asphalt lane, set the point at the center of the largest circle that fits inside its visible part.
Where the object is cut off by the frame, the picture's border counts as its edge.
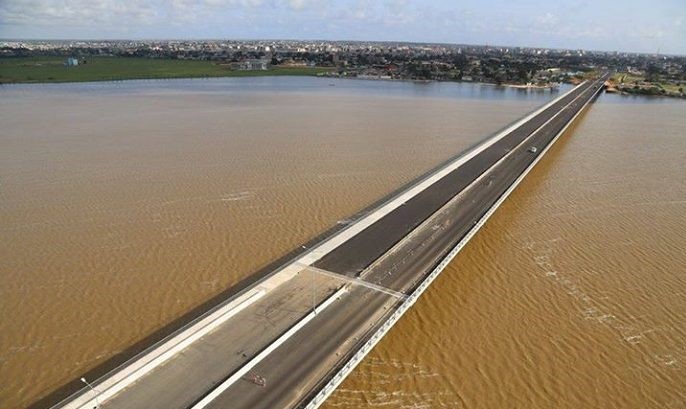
(300, 366)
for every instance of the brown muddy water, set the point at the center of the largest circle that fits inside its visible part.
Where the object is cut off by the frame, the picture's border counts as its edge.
(124, 205)
(573, 295)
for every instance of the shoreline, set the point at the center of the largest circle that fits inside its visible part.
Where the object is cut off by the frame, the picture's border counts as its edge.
(520, 86)
(318, 72)
(270, 73)
(151, 78)
(640, 93)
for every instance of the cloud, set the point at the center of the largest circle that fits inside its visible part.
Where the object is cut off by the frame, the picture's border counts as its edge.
(76, 12)
(297, 4)
(547, 20)
(229, 3)
(528, 23)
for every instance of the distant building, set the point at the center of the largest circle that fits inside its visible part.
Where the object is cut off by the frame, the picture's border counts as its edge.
(251, 65)
(71, 62)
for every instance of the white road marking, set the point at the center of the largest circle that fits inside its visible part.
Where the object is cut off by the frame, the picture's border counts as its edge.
(358, 281)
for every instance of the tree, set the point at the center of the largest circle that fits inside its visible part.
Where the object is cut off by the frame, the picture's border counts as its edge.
(460, 61)
(652, 72)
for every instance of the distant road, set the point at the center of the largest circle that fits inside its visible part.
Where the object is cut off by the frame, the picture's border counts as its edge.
(268, 347)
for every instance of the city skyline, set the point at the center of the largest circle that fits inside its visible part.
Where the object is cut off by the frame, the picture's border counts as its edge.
(628, 26)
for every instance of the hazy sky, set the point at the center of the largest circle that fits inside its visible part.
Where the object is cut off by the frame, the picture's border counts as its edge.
(625, 25)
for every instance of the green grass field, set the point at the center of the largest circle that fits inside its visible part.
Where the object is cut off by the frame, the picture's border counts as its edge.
(628, 80)
(52, 69)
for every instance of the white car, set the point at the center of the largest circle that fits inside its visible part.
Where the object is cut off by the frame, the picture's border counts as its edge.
(533, 149)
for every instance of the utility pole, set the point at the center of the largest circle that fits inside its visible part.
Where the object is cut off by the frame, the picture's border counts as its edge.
(96, 393)
(314, 301)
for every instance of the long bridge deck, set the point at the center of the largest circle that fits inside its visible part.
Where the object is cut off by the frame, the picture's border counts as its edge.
(290, 338)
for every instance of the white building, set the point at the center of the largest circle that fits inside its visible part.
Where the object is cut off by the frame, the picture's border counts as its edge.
(251, 65)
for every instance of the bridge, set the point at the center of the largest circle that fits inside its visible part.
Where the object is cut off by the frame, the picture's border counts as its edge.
(289, 339)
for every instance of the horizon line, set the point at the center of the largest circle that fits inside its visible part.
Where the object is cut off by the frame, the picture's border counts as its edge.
(344, 41)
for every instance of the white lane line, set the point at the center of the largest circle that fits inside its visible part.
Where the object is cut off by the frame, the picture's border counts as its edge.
(137, 370)
(358, 281)
(265, 352)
